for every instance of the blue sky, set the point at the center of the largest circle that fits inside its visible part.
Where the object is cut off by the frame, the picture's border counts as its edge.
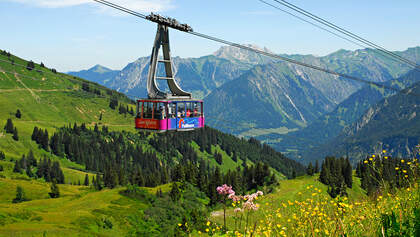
(78, 34)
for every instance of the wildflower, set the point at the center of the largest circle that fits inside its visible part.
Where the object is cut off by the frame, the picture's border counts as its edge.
(371, 159)
(207, 230)
(373, 156)
(404, 171)
(383, 151)
(365, 162)
(225, 190)
(208, 223)
(179, 224)
(386, 157)
(397, 168)
(402, 161)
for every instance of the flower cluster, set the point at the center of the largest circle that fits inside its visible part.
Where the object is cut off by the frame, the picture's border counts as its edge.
(225, 190)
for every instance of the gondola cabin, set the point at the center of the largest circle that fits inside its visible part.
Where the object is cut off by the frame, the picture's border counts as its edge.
(159, 115)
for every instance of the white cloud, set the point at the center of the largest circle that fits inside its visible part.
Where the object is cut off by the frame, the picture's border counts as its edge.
(135, 5)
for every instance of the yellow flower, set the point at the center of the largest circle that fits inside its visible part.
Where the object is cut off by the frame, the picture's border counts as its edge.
(373, 156)
(371, 159)
(402, 161)
(383, 151)
(404, 171)
(316, 230)
(326, 232)
(365, 162)
(278, 225)
(396, 168)
(208, 223)
(199, 232)
(179, 224)
(406, 176)
(386, 157)
(207, 230)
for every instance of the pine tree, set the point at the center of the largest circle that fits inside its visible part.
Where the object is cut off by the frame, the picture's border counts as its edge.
(45, 141)
(9, 126)
(18, 114)
(55, 192)
(86, 183)
(316, 169)
(29, 171)
(30, 65)
(17, 168)
(31, 159)
(310, 169)
(175, 194)
(15, 135)
(20, 195)
(35, 134)
(348, 173)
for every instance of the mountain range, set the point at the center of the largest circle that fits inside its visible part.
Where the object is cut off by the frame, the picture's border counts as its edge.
(289, 106)
(392, 125)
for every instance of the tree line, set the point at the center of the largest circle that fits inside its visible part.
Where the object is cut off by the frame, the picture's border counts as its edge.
(337, 174)
(122, 158)
(386, 173)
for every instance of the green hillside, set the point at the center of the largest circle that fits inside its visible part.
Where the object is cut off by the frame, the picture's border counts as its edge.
(89, 139)
(392, 124)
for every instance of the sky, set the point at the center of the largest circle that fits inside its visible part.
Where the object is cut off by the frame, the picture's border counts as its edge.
(72, 35)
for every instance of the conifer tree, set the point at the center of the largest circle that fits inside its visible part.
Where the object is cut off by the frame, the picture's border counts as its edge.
(35, 134)
(17, 168)
(30, 65)
(316, 169)
(9, 126)
(18, 114)
(29, 171)
(310, 169)
(86, 183)
(31, 159)
(20, 195)
(15, 134)
(175, 193)
(348, 173)
(55, 191)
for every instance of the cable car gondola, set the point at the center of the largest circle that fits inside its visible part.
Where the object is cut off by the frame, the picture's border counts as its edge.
(166, 111)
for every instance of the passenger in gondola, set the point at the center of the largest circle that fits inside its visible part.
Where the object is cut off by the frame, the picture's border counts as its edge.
(162, 112)
(195, 110)
(188, 113)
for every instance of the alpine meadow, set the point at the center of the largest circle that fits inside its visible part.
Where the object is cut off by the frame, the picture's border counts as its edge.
(317, 134)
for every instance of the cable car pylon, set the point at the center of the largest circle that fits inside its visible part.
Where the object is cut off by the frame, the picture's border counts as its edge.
(153, 91)
(165, 111)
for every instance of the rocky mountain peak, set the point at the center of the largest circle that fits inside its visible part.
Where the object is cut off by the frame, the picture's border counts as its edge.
(234, 53)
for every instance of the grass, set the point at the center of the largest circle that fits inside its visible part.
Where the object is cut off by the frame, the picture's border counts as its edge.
(292, 190)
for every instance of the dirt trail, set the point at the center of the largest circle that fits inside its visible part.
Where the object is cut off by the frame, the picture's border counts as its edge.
(29, 89)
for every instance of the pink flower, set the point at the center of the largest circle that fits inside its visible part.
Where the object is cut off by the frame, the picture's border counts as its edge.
(234, 197)
(225, 190)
